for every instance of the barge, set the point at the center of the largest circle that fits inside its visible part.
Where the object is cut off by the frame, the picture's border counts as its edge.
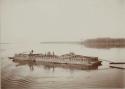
(69, 58)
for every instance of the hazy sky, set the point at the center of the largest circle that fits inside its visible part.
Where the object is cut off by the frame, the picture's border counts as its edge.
(53, 20)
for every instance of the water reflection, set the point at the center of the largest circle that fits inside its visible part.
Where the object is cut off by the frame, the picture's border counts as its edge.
(47, 65)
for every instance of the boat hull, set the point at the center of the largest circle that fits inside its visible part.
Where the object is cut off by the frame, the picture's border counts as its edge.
(59, 61)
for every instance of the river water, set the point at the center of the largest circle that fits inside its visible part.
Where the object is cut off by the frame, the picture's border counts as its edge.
(40, 76)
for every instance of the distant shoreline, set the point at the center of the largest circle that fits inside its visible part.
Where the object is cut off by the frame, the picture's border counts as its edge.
(4, 43)
(105, 43)
(102, 43)
(61, 42)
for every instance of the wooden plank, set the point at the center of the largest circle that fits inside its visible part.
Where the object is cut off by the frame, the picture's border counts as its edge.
(117, 67)
(117, 63)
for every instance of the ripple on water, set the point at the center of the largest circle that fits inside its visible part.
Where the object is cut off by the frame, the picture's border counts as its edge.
(11, 80)
(20, 83)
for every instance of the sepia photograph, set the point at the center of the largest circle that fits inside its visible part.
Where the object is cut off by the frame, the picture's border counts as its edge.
(62, 44)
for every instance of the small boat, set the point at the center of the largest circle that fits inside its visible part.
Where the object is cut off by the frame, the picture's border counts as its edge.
(69, 58)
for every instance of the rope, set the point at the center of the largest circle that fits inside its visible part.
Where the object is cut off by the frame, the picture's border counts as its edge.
(105, 60)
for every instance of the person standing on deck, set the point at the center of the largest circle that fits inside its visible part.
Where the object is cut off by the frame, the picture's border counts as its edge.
(31, 52)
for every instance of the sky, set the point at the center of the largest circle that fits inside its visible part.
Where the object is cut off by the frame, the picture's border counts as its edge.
(61, 20)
